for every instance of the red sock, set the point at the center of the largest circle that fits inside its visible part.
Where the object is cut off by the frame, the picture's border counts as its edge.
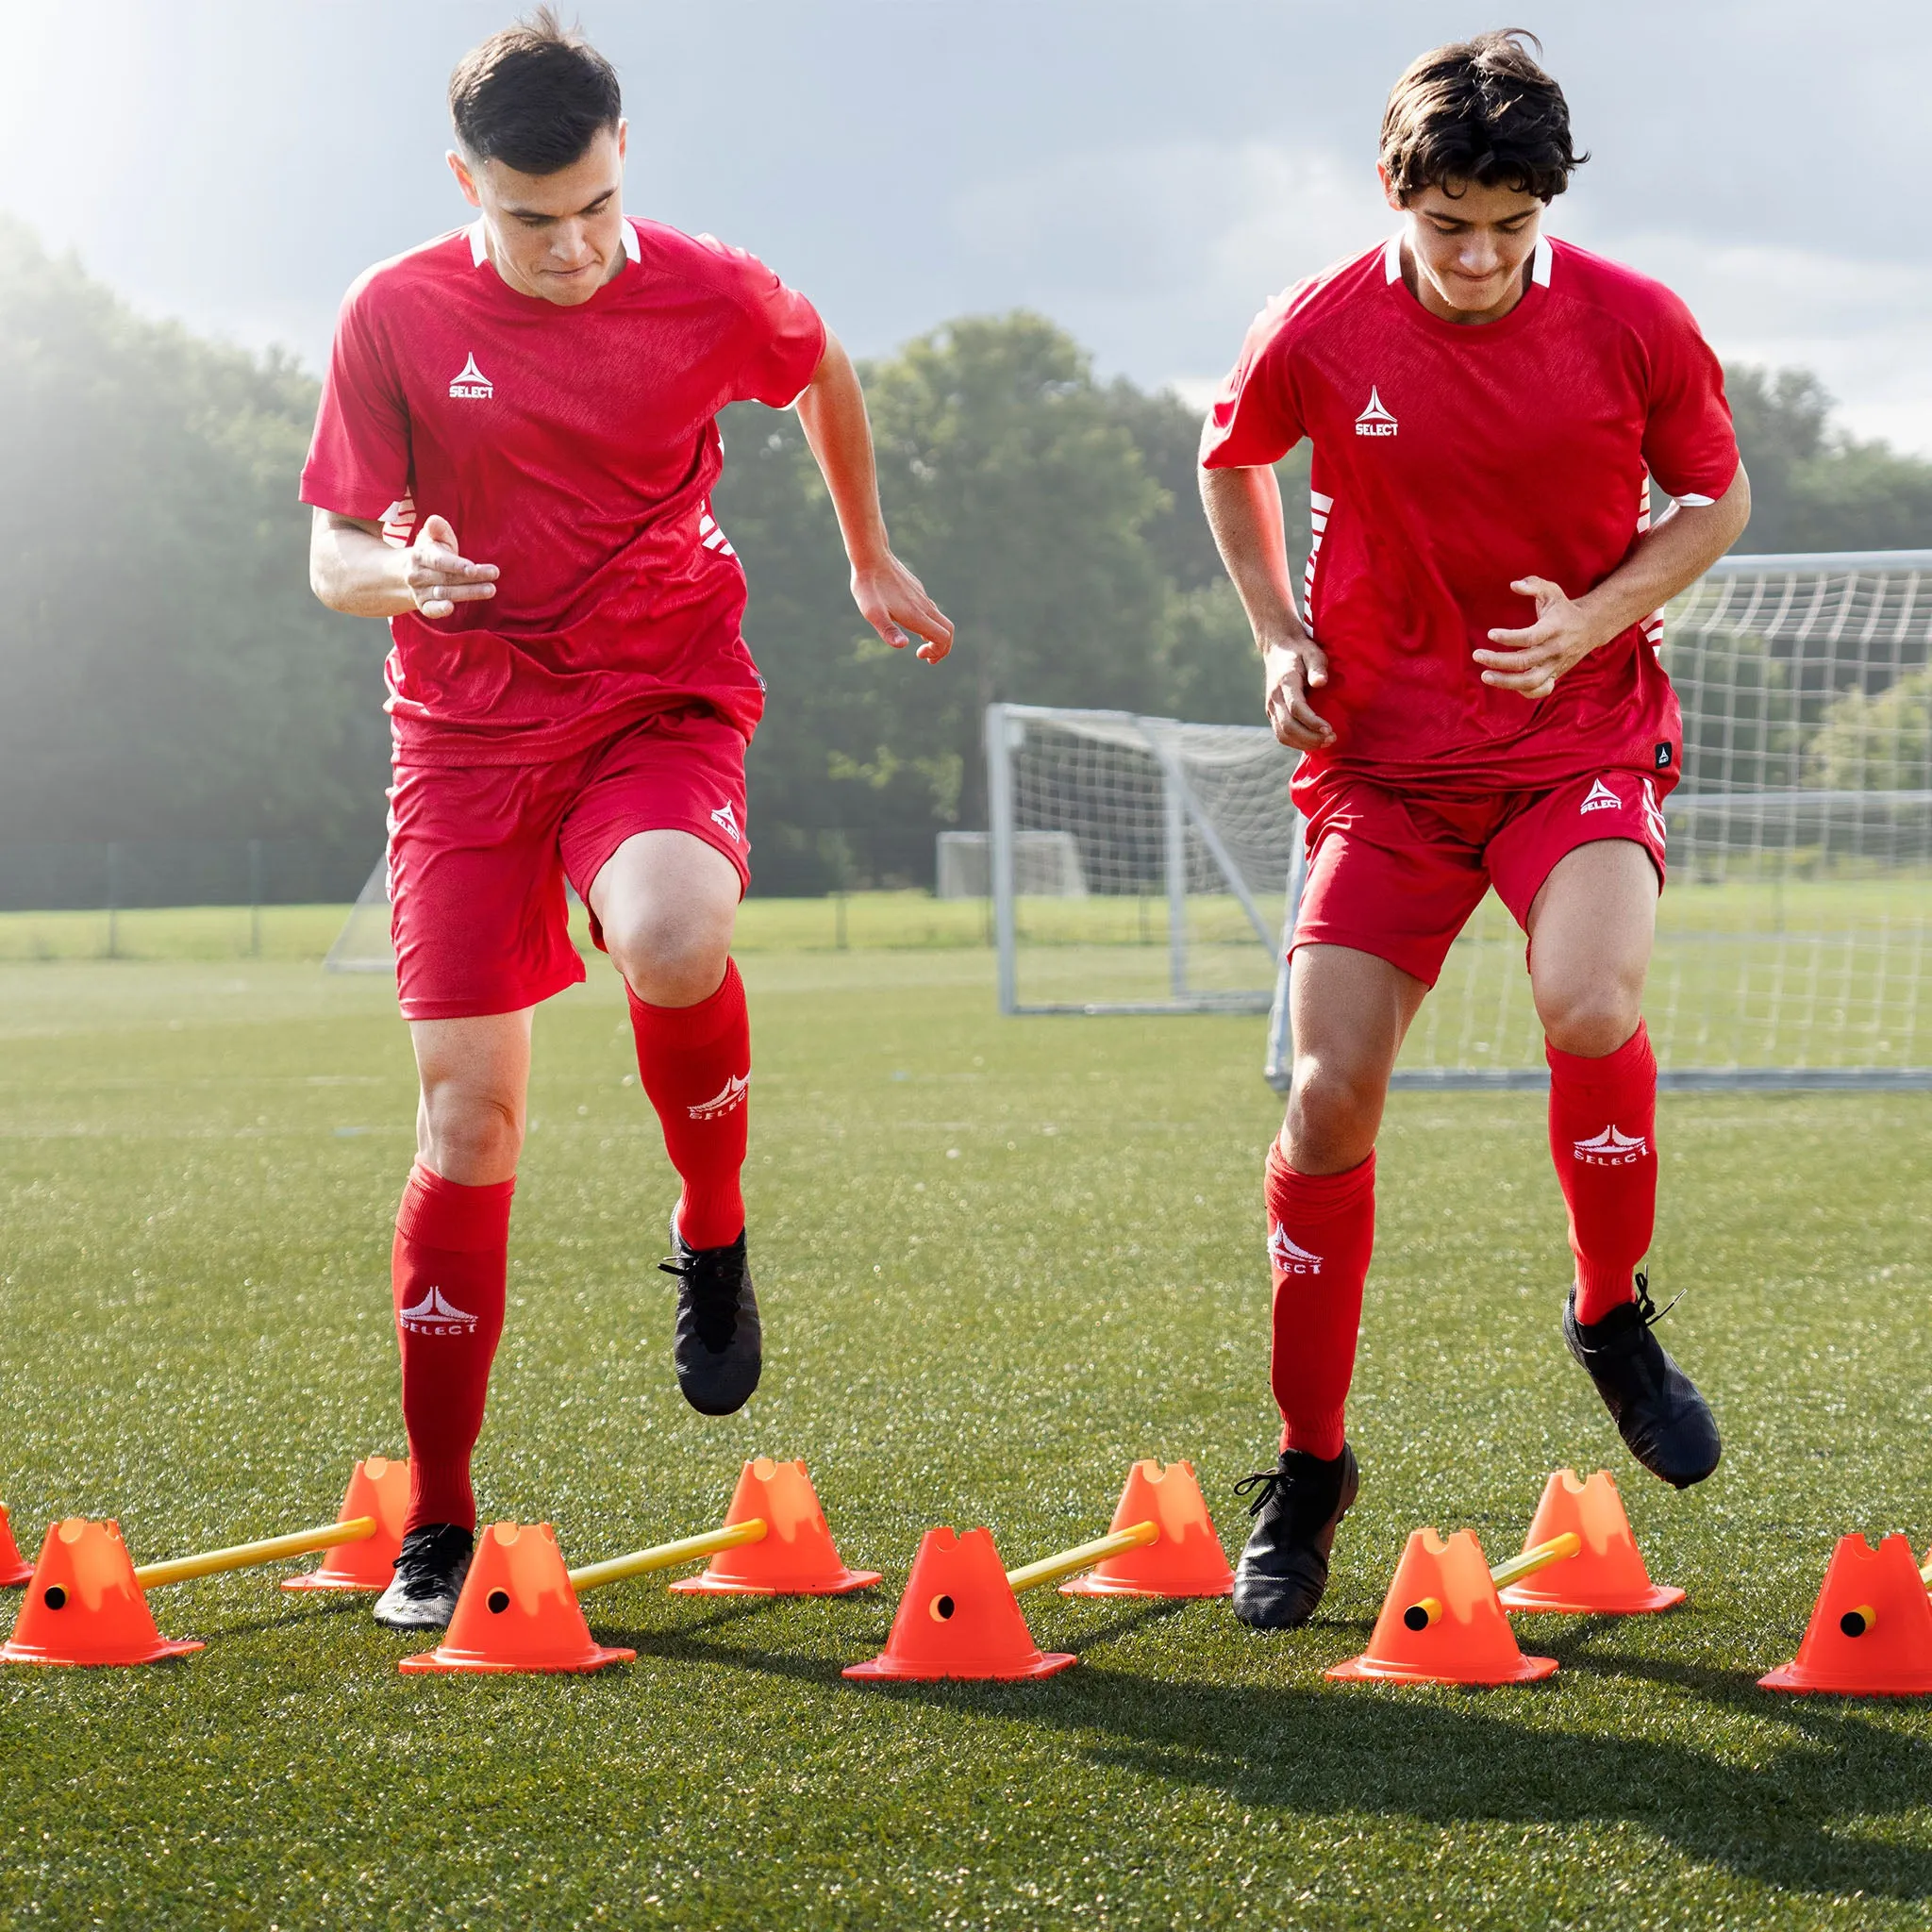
(446, 1273)
(1321, 1233)
(1603, 1138)
(695, 1064)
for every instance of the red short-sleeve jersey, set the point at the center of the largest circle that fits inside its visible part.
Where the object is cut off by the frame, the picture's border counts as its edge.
(575, 449)
(1451, 460)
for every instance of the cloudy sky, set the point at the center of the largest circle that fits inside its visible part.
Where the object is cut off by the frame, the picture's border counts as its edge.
(1144, 171)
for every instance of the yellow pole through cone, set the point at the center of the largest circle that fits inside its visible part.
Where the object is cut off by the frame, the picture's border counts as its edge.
(300, 1542)
(1423, 1615)
(689, 1549)
(1070, 1562)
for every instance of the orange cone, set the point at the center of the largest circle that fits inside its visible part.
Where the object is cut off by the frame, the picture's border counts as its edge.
(795, 1557)
(14, 1568)
(1607, 1577)
(1187, 1561)
(84, 1606)
(1442, 1622)
(959, 1619)
(1870, 1635)
(378, 1488)
(517, 1611)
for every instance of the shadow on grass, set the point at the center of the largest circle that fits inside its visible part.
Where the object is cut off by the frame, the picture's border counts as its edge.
(1804, 1816)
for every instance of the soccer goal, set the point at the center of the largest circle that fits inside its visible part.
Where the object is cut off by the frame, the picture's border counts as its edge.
(1795, 947)
(363, 943)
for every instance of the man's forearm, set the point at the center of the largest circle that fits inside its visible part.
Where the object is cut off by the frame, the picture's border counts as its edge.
(1669, 557)
(832, 411)
(1243, 510)
(352, 570)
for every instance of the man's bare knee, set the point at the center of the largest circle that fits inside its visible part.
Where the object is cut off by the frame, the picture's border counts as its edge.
(1332, 1119)
(468, 1136)
(671, 958)
(1590, 1020)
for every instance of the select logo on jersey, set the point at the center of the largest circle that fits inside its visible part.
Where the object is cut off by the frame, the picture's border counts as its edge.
(470, 384)
(436, 1314)
(1375, 420)
(1601, 798)
(1287, 1257)
(1611, 1149)
(727, 1098)
(726, 821)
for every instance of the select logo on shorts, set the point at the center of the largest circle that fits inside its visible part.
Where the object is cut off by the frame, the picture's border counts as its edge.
(1287, 1257)
(470, 384)
(727, 1098)
(1611, 1149)
(1375, 420)
(436, 1314)
(726, 821)
(1601, 798)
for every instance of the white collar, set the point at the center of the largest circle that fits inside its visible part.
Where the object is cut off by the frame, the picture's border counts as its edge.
(479, 245)
(1539, 269)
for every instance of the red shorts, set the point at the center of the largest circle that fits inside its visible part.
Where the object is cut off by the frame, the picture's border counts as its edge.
(1398, 878)
(478, 855)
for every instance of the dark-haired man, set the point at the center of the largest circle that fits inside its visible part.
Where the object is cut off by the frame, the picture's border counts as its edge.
(513, 463)
(1473, 681)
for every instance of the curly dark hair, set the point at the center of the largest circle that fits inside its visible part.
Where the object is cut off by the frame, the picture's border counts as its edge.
(1479, 110)
(533, 96)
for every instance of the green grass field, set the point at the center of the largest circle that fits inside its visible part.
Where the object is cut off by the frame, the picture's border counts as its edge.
(999, 1260)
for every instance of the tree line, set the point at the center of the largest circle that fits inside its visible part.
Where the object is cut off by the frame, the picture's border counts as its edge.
(167, 674)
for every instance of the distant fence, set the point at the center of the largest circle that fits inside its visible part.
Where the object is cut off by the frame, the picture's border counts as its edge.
(122, 874)
(94, 875)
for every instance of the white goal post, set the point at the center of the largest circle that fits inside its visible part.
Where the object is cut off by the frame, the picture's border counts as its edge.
(1794, 946)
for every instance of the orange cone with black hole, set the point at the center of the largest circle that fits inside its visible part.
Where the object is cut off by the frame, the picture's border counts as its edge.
(14, 1568)
(378, 1488)
(1607, 1577)
(1187, 1560)
(1871, 1632)
(959, 1619)
(518, 1611)
(796, 1556)
(1442, 1622)
(83, 1606)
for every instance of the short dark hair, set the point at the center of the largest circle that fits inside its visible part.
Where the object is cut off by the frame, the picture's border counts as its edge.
(1483, 111)
(533, 96)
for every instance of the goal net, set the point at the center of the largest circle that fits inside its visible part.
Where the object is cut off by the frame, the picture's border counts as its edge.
(1795, 947)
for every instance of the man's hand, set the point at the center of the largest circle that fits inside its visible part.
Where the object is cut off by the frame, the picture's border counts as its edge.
(438, 577)
(894, 602)
(1289, 671)
(1531, 660)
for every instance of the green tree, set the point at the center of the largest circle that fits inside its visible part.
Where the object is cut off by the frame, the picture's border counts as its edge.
(167, 673)
(1876, 743)
(1813, 487)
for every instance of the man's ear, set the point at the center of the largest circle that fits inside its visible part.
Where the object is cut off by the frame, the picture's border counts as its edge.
(623, 138)
(1389, 194)
(465, 180)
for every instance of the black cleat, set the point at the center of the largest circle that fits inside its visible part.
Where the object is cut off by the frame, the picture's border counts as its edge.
(1665, 1424)
(1284, 1569)
(429, 1578)
(718, 1347)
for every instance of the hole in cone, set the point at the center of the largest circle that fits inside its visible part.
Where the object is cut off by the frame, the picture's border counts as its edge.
(54, 1598)
(499, 1602)
(942, 1608)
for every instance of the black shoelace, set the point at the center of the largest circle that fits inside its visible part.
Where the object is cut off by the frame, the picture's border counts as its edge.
(711, 1275)
(1269, 1481)
(1647, 1310)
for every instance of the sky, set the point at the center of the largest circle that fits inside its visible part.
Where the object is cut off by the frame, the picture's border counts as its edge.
(1144, 172)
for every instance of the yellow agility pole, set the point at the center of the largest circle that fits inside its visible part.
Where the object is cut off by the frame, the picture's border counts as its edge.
(1420, 1616)
(688, 1549)
(300, 1542)
(1070, 1562)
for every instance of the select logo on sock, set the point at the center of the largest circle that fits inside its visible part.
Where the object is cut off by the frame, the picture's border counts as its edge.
(435, 1314)
(1611, 1149)
(728, 1097)
(1287, 1257)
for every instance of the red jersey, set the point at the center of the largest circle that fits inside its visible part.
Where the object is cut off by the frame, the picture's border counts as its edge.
(575, 449)
(1451, 460)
